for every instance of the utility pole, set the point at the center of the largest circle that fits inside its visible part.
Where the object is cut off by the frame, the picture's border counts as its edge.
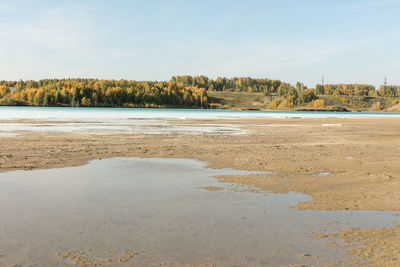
(385, 82)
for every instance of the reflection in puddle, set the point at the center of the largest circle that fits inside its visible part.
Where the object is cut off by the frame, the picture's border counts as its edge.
(158, 209)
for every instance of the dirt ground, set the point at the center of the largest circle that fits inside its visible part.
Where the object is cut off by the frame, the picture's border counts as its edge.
(344, 164)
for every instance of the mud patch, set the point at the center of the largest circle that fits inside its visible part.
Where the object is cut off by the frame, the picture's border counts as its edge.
(367, 246)
(82, 259)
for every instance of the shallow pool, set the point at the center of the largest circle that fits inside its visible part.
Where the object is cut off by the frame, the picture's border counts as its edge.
(152, 212)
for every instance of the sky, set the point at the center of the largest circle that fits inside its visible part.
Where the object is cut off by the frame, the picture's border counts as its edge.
(346, 41)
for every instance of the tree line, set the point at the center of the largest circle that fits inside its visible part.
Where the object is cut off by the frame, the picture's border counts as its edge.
(358, 90)
(288, 95)
(238, 84)
(179, 91)
(102, 93)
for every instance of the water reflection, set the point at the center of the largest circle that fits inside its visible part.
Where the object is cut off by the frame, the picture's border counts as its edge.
(154, 211)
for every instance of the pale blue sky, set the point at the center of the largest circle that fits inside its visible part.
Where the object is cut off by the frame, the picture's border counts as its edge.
(349, 41)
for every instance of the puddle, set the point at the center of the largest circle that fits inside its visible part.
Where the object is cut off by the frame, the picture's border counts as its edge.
(311, 174)
(332, 125)
(155, 211)
(322, 174)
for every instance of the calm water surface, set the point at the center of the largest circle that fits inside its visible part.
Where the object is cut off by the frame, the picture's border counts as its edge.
(158, 208)
(16, 121)
(67, 113)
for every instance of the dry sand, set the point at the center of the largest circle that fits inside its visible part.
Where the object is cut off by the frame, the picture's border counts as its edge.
(362, 156)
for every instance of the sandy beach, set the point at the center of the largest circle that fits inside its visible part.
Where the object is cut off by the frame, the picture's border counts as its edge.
(343, 164)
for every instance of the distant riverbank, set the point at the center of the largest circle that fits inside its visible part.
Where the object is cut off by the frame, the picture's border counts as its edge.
(243, 93)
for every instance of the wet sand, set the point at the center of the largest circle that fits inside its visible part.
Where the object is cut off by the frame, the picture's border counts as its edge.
(149, 211)
(361, 155)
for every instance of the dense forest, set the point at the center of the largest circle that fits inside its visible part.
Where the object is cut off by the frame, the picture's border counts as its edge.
(101, 93)
(186, 91)
(225, 84)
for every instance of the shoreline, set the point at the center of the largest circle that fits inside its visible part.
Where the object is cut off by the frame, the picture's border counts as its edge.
(296, 109)
(358, 163)
(357, 152)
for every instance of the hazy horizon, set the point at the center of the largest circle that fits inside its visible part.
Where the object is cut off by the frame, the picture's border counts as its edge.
(344, 41)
